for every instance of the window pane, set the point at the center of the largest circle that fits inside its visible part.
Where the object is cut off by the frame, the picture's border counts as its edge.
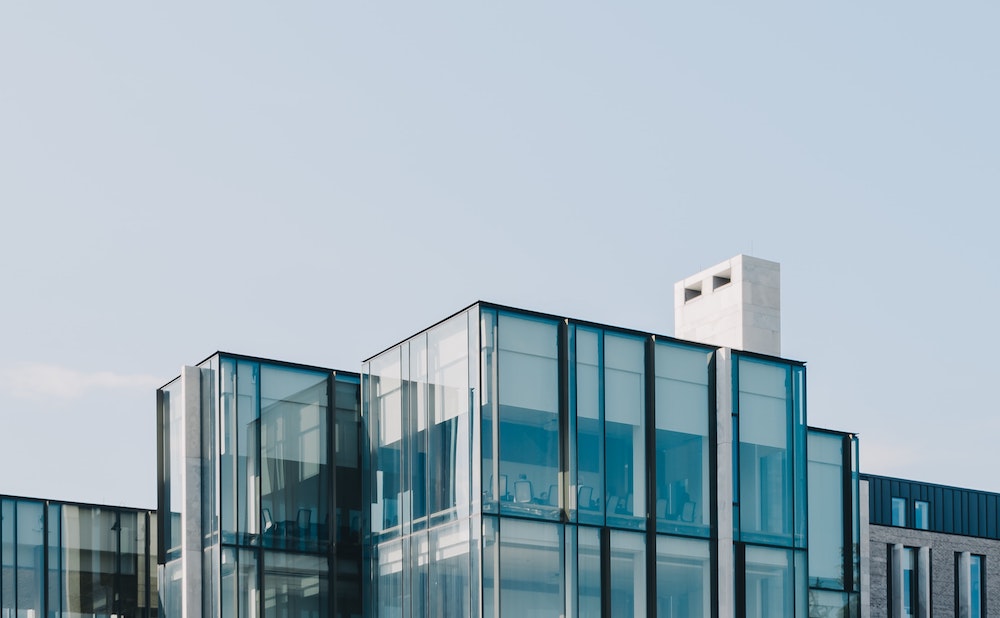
(247, 449)
(390, 580)
(449, 582)
(765, 457)
(899, 511)
(589, 428)
(531, 574)
(295, 475)
(624, 430)
(921, 515)
(449, 465)
(770, 586)
(529, 418)
(628, 574)
(683, 578)
(30, 569)
(588, 566)
(976, 578)
(386, 411)
(826, 510)
(295, 585)
(682, 446)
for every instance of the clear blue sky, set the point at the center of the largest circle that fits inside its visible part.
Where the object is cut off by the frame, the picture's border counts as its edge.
(314, 181)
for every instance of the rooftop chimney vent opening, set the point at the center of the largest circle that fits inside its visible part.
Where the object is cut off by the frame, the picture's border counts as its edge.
(721, 279)
(692, 292)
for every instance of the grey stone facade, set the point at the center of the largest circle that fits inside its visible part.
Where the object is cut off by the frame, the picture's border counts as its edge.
(943, 549)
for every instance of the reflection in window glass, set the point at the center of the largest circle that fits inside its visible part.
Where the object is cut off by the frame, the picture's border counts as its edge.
(976, 578)
(921, 515)
(682, 446)
(909, 581)
(528, 417)
(899, 511)
(295, 585)
(449, 582)
(628, 573)
(589, 427)
(449, 459)
(390, 579)
(770, 583)
(624, 430)
(295, 475)
(683, 578)
(765, 457)
(826, 510)
(588, 566)
(531, 573)
(386, 411)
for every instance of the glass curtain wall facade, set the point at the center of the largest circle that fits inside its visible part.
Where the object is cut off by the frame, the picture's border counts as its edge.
(260, 491)
(525, 465)
(65, 559)
(769, 500)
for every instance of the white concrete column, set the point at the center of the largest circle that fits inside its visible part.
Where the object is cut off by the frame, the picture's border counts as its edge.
(190, 487)
(896, 585)
(923, 582)
(724, 497)
(964, 585)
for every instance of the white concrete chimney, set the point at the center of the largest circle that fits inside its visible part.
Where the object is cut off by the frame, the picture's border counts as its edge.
(735, 304)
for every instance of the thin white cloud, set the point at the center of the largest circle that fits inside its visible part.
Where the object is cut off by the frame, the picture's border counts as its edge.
(47, 381)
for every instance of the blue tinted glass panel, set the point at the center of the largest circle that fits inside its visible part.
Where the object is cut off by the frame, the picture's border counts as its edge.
(528, 417)
(589, 427)
(624, 430)
(492, 490)
(387, 423)
(683, 577)
(826, 511)
(389, 573)
(448, 420)
(228, 481)
(248, 517)
(770, 583)
(449, 577)
(295, 585)
(976, 578)
(682, 440)
(921, 515)
(899, 511)
(588, 567)
(295, 473)
(765, 452)
(531, 571)
(628, 573)
(30, 569)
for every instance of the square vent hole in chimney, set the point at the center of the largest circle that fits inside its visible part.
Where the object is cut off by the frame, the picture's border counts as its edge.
(721, 279)
(692, 292)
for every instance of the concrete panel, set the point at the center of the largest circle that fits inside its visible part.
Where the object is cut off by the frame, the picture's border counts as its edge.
(191, 490)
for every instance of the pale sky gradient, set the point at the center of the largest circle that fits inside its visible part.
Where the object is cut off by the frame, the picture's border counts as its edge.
(314, 181)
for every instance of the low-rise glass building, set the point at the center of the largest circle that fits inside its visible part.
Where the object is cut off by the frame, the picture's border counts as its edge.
(521, 464)
(71, 559)
(260, 490)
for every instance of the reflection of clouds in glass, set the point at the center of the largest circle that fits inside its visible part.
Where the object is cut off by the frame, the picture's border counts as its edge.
(46, 381)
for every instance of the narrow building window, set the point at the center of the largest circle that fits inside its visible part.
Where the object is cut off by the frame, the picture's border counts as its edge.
(899, 511)
(921, 515)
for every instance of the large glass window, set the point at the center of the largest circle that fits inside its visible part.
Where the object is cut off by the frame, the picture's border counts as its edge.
(683, 578)
(589, 398)
(390, 579)
(387, 424)
(531, 571)
(247, 432)
(295, 585)
(921, 515)
(682, 440)
(977, 575)
(449, 578)
(624, 430)
(528, 416)
(774, 581)
(588, 565)
(295, 474)
(769, 490)
(449, 464)
(628, 573)
(826, 511)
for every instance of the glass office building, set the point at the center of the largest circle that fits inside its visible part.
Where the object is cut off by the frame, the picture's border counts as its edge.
(70, 559)
(260, 490)
(522, 465)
